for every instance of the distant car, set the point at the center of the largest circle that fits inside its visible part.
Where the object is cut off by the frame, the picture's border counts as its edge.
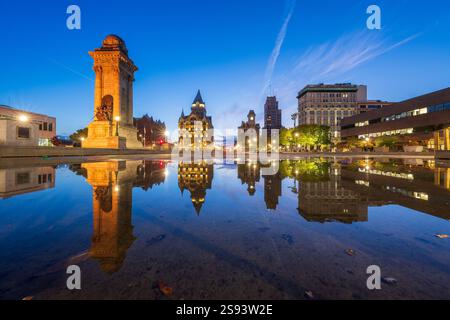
(62, 141)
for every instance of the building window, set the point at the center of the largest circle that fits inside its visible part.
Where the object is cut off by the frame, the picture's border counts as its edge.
(22, 178)
(23, 133)
(45, 126)
(44, 142)
(50, 127)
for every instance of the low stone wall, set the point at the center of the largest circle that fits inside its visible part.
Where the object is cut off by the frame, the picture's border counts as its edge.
(443, 155)
(21, 152)
(422, 155)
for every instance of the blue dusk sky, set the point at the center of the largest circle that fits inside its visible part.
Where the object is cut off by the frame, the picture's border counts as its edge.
(235, 51)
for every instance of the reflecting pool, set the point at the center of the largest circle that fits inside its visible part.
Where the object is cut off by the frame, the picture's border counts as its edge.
(156, 229)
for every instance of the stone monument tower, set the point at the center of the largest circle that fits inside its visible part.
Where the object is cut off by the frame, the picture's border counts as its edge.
(113, 107)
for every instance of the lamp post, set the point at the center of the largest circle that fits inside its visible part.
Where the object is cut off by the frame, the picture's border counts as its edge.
(117, 118)
(166, 134)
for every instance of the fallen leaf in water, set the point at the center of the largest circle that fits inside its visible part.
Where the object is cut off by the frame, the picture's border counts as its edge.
(389, 280)
(167, 291)
(309, 294)
(442, 236)
(28, 298)
(350, 252)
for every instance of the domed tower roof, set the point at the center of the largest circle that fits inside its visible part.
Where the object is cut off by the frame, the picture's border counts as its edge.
(114, 42)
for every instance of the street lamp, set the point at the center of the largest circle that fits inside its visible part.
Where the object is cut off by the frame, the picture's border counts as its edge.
(23, 118)
(117, 118)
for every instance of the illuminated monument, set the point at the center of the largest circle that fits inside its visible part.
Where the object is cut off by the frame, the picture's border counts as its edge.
(113, 107)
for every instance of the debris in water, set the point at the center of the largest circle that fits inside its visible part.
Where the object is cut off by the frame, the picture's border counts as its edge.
(389, 280)
(350, 252)
(309, 294)
(165, 290)
(156, 239)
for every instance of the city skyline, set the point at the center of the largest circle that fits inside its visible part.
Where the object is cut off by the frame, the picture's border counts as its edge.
(282, 44)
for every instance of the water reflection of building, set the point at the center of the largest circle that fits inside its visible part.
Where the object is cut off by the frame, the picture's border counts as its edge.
(112, 196)
(442, 177)
(272, 190)
(328, 200)
(415, 187)
(196, 177)
(150, 173)
(17, 181)
(249, 173)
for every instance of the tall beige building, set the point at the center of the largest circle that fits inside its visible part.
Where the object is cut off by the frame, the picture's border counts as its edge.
(327, 104)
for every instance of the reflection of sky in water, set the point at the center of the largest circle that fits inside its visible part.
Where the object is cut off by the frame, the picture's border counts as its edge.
(235, 247)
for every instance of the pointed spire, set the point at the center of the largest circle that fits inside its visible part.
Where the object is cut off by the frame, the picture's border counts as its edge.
(182, 113)
(198, 207)
(198, 98)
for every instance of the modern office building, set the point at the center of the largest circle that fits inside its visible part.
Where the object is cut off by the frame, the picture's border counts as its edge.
(272, 114)
(416, 119)
(23, 128)
(371, 105)
(327, 104)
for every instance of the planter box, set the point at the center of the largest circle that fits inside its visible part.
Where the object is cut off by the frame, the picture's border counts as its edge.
(413, 148)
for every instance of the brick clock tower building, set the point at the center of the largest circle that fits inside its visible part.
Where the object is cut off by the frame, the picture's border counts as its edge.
(113, 107)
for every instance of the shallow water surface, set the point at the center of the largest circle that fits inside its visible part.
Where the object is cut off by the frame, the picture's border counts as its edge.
(142, 229)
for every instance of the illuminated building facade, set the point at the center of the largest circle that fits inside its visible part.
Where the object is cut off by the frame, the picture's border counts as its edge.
(150, 132)
(414, 119)
(328, 104)
(251, 124)
(195, 125)
(23, 128)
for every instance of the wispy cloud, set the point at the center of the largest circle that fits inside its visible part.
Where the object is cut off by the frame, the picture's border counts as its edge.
(344, 54)
(290, 5)
(71, 70)
(333, 60)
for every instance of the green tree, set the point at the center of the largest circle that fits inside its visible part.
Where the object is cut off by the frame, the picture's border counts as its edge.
(286, 137)
(77, 135)
(386, 141)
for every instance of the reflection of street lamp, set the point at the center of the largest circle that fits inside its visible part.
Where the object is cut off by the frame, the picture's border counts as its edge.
(117, 118)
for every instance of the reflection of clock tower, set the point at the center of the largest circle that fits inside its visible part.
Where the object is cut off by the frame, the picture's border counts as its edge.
(197, 178)
(113, 99)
